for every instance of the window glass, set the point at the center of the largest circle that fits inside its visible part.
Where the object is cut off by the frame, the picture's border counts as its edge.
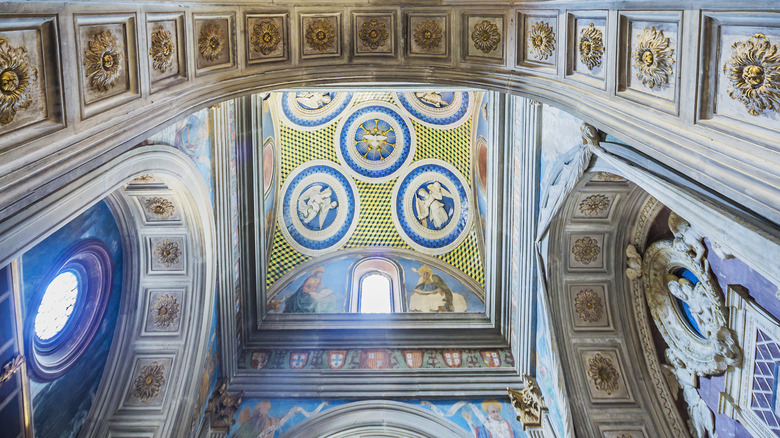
(57, 305)
(375, 294)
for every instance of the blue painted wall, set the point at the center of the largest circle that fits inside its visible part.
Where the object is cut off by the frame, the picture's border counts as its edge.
(61, 406)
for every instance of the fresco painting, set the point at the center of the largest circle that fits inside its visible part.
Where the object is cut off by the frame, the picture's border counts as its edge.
(481, 418)
(60, 407)
(548, 374)
(324, 289)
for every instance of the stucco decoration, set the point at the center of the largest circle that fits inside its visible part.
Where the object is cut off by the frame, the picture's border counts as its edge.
(373, 33)
(11, 368)
(591, 46)
(159, 207)
(103, 60)
(17, 78)
(633, 263)
(706, 348)
(432, 209)
(754, 74)
(528, 403)
(486, 36)
(588, 305)
(688, 239)
(222, 407)
(586, 250)
(265, 37)
(653, 58)
(167, 252)
(211, 42)
(437, 109)
(594, 205)
(541, 40)
(312, 110)
(320, 35)
(162, 49)
(149, 381)
(701, 420)
(165, 310)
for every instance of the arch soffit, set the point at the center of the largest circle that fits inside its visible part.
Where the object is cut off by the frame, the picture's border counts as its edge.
(365, 414)
(135, 345)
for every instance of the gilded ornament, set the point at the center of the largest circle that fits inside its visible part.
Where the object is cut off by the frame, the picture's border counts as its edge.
(594, 205)
(485, 36)
(373, 33)
(428, 34)
(17, 77)
(606, 176)
(103, 59)
(162, 49)
(754, 74)
(585, 250)
(541, 39)
(211, 42)
(149, 381)
(265, 37)
(605, 376)
(11, 368)
(591, 46)
(159, 207)
(143, 178)
(652, 57)
(167, 252)
(165, 310)
(528, 403)
(320, 35)
(588, 305)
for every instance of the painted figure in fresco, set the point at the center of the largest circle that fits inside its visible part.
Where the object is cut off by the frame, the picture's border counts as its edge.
(315, 203)
(258, 424)
(313, 100)
(312, 296)
(430, 207)
(432, 295)
(431, 98)
(494, 426)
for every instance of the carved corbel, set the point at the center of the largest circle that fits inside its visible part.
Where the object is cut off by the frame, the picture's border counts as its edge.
(222, 407)
(590, 135)
(528, 403)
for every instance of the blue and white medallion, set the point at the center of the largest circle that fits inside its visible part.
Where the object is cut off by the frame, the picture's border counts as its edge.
(320, 207)
(375, 142)
(437, 109)
(310, 110)
(432, 207)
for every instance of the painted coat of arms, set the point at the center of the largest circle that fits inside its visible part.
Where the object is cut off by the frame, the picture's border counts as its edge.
(298, 359)
(452, 358)
(259, 359)
(337, 358)
(491, 358)
(413, 358)
(375, 359)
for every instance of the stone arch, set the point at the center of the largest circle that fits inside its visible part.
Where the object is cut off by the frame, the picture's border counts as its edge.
(355, 419)
(180, 352)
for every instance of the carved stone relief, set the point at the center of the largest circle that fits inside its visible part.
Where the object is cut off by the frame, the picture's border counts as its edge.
(374, 34)
(321, 35)
(485, 37)
(528, 403)
(267, 37)
(147, 388)
(754, 74)
(541, 40)
(594, 205)
(428, 35)
(103, 60)
(158, 208)
(586, 251)
(212, 42)
(167, 254)
(653, 56)
(17, 81)
(164, 309)
(589, 306)
(605, 377)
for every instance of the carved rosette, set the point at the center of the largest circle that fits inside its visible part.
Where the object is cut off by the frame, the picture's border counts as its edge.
(149, 381)
(528, 403)
(320, 35)
(754, 74)
(265, 37)
(167, 252)
(211, 42)
(165, 310)
(485, 36)
(162, 49)
(604, 374)
(594, 205)
(586, 250)
(653, 58)
(159, 207)
(373, 33)
(17, 78)
(541, 39)
(591, 46)
(428, 34)
(588, 305)
(103, 60)
(711, 349)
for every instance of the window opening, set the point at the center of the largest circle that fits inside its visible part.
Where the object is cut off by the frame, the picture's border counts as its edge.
(57, 304)
(375, 293)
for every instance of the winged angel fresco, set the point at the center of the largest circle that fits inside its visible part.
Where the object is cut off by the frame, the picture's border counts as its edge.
(258, 424)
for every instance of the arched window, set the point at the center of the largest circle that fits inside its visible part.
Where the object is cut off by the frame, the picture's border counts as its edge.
(376, 286)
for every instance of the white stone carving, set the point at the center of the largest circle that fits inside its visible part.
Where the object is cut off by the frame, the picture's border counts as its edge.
(633, 262)
(313, 100)
(431, 98)
(429, 205)
(315, 202)
(701, 421)
(687, 238)
(713, 350)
